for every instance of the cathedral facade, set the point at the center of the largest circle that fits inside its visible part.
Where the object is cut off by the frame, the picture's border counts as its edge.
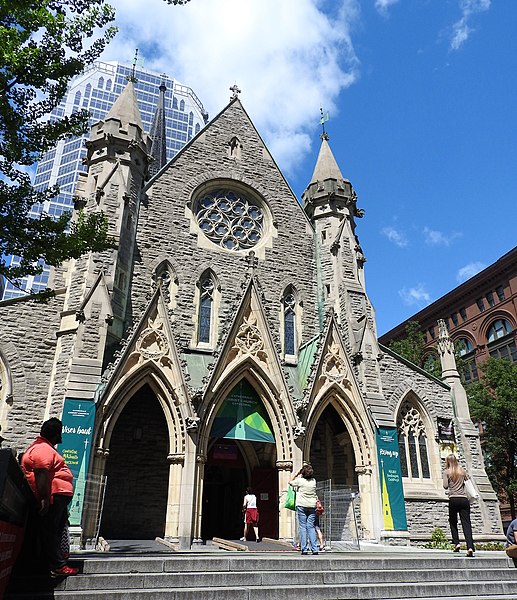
(227, 339)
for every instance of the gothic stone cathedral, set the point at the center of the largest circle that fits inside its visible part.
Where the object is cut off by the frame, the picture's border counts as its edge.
(225, 293)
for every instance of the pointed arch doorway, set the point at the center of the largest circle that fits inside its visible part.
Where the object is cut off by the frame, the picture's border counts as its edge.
(241, 453)
(137, 471)
(332, 452)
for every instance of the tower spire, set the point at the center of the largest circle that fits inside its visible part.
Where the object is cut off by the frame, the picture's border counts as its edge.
(158, 135)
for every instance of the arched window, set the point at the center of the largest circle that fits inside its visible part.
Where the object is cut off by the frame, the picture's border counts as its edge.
(206, 303)
(463, 346)
(164, 274)
(77, 99)
(289, 322)
(414, 455)
(498, 329)
(101, 82)
(501, 343)
(108, 85)
(182, 105)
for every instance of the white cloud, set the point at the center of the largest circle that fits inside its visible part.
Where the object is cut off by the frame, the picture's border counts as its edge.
(394, 236)
(417, 295)
(469, 271)
(461, 29)
(288, 58)
(383, 5)
(438, 238)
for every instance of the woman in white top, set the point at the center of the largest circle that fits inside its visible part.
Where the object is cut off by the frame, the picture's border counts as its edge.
(304, 485)
(251, 515)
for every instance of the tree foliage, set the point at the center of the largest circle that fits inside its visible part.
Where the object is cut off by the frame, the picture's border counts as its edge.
(493, 403)
(43, 45)
(412, 347)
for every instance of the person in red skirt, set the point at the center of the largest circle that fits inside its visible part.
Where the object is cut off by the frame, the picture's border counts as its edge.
(251, 515)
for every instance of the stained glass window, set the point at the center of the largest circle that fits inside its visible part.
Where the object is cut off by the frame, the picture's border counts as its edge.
(414, 459)
(230, 219)
(205, 309)
(289, 324)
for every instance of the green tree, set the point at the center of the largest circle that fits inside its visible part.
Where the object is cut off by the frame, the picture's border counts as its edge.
(493, 403)
(412, 347)
(43, 45)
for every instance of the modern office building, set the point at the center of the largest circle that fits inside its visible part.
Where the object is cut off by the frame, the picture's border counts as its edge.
(96, 90)
(480, 314)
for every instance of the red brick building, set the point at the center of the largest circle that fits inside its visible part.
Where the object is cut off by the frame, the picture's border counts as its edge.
(481, 315)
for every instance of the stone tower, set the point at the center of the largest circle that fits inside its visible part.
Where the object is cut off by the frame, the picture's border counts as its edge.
(96, 302)
(331, 203)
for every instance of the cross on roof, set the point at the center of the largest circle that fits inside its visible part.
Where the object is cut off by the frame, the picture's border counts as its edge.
(236, 91)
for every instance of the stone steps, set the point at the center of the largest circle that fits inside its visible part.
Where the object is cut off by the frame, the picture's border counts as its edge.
(262, 576)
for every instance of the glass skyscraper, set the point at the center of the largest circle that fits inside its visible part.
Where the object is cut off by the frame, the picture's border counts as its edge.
(96, 90)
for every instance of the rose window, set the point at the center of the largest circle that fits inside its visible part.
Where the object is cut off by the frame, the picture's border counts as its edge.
(230, 220)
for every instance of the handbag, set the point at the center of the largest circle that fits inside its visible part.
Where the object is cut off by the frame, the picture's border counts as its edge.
(319, 507)
(290, 500)
(470, 490)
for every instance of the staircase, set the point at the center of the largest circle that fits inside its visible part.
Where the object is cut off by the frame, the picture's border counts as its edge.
(288, 576)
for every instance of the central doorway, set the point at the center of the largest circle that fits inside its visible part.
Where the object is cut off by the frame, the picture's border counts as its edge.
(232, 466)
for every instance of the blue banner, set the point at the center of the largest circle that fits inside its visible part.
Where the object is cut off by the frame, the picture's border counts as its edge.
(78, 422)
(393, 505)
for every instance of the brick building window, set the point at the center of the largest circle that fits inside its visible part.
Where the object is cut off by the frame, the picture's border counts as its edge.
(501, 343)
(499, 290)
(455, 319)
(481, 304)
(490, 298)
(463, 314)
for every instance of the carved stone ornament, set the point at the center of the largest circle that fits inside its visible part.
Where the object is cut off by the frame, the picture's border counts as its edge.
(191, 423)
(176, 459)
(284, 465)
(363, 469)
(152, 344)
(249, 339)
(298, 431)
(334, 367)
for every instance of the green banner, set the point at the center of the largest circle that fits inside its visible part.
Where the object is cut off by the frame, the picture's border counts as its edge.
(78, 421)
(393, 505)
(242, 416)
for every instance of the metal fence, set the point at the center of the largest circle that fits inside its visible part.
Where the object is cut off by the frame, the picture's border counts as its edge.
(339, 521)
(87, 506)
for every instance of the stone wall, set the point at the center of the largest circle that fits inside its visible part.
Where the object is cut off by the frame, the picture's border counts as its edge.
(166, 230)
(28, 345)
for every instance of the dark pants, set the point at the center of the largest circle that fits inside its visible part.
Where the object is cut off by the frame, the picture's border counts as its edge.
(53, 525)
(462, 506)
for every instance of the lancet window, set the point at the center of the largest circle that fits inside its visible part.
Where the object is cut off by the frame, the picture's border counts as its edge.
(413, 451)
(206, 308)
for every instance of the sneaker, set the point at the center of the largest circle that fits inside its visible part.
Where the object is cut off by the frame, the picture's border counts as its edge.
(242, 539)
(64, 571)
(457, 548)
(470, 553)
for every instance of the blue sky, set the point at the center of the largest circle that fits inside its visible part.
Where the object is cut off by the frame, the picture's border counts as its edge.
(422, 102)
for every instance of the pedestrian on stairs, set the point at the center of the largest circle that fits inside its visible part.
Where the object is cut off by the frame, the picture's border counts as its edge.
(304, 485)
(251, 514)
(52, 484)
(454, 478)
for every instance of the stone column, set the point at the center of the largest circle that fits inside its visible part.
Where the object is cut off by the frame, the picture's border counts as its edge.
(285, 517)
(176, 462)
(187, 502)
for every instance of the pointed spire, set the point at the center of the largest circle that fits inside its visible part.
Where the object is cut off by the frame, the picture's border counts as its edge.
(125, 108)
(158, 135)
(326, 165)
